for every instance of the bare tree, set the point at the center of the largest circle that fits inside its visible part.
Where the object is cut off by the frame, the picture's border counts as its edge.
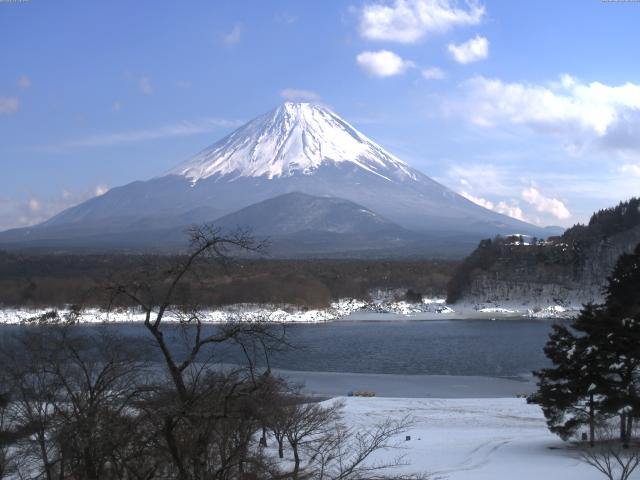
(7, 433)
(207, 419)
(308, 423)
(612, 457)
(348, 453)
(71, 392)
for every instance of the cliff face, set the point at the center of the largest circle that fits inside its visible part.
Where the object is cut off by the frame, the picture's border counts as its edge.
(567, 270)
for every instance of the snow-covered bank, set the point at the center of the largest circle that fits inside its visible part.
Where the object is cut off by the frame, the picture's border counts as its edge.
(381, 307)
(244, 312)
(479, 439)
(332, 384)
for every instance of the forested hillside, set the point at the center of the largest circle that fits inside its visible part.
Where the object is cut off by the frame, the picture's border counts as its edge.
(568, 269)
(57, 280)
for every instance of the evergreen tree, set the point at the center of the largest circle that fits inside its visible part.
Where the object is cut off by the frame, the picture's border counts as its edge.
(569, 393)
(596, 362)
(622, 348)
(622, 295)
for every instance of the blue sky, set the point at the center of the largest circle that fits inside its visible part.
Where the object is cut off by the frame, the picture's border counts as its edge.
(529, 108)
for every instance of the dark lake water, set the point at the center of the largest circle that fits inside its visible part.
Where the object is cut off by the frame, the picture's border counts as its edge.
(501, 348)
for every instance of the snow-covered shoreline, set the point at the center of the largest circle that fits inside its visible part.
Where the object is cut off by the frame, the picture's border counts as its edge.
(381, 309)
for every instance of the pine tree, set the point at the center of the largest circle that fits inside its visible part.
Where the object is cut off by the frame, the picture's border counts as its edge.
(622, 295)
(596, 362)
(569, 392)
(622, 348)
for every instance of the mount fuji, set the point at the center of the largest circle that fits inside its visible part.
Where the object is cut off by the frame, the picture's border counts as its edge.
(298, 147)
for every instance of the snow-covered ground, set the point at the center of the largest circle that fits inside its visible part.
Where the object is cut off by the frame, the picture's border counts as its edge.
(479, 439)
(384, 305)
(244, 312)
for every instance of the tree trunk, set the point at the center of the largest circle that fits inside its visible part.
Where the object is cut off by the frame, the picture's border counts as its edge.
(43, 453)
(592, 422)
(280, 448)
(623, 427)
(296, 459)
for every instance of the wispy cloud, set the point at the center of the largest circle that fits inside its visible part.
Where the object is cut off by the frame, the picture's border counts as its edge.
(294, 94)
(511, 210)
(433, 73)
(144, 83)
(631, 169)
(508, 190)
(30, 209)
(472, 50)
(234, 36)
(286, 18)
(383, 63)
(9, 105)
(182, 129)
(24, 82)
(407, 21)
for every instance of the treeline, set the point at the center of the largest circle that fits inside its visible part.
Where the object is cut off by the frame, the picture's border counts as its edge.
(58, 280)
(606, 222)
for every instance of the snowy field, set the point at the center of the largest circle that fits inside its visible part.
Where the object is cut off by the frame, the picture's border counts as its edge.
(479, 439)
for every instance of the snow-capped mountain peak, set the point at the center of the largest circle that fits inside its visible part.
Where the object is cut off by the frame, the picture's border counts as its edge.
(293, 139)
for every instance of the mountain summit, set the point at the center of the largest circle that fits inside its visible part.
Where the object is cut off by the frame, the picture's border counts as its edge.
(295, 138)
(298, 147)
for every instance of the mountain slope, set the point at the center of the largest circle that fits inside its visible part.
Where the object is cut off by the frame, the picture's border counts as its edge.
(298, 224)
(297, 147)
(296, 212)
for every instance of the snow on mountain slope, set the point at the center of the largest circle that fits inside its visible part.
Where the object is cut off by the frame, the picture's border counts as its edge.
(293, 138)
(297, 147)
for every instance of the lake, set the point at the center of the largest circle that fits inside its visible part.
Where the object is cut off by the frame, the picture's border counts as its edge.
(502, 348)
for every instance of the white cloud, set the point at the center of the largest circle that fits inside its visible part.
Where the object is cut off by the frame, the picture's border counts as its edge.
(605, 117)
(9, 105)
(407, 21)
(234, 36)
(145, 85)
(631, 169)
(29, 209)
(502, 207)
(545, 204)
(117, 138)
(294, 94)
(101, 190)
(383, 63)
(117, 106)
(472, 50)
(24, 82)
(433, 73)
(34, 204)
